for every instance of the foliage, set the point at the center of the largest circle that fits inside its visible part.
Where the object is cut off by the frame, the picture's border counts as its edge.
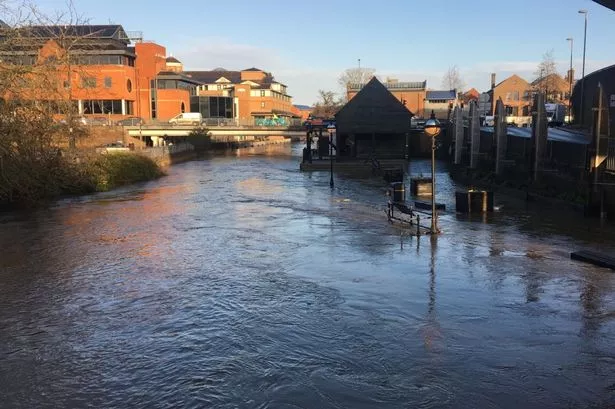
(354, 76)
(452, 79)
(328, 104)
(36, 92)
(546, 76)
(112, 170)
(200, 138)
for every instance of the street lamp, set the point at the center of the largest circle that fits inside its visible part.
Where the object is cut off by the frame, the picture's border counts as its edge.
(331, 130)
(571, 40)
(432, 129)
(584, 12)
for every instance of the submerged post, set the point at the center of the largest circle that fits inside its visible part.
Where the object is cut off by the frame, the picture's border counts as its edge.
(501, 137)
(458, 135)
(539, 133)
(474, 135)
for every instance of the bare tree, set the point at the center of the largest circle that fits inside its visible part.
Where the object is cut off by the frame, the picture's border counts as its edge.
(355, 76)
(327, 105)
(546, 76)
(452, 79)
(37, 70)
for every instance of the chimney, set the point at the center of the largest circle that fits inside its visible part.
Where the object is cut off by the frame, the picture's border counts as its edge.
(492, 80)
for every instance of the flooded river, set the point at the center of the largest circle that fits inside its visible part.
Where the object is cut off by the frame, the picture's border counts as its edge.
(240, 282)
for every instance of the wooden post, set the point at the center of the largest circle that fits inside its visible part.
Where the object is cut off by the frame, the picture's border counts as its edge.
(474, 135)
(539, 134)
(458, 135)
(501, 137)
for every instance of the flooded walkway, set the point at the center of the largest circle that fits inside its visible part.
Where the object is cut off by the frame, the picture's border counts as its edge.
(240, 282)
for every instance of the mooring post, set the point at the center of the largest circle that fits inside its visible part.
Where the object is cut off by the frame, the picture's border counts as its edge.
(501, 137)
(418, 225)
(539, 133)
(458, 135)
(474, 135)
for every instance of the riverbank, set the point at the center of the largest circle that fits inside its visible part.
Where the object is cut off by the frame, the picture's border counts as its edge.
(33, 183)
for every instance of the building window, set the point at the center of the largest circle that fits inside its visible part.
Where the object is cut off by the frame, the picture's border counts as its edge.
(515, 95)
(262, 93)
(88, 82)
(129, 85)
(130, 107)
(108, 82)
(183, 108)
(102, 106)
(262, 105)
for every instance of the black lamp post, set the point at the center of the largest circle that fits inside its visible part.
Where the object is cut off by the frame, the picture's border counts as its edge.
(582, 116)
(571, 40)
(331, 130)
(432, 129)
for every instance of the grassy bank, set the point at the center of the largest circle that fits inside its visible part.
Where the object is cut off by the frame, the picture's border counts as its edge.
(28, 183)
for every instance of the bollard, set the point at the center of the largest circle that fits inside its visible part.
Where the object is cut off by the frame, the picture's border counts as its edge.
(418, 225)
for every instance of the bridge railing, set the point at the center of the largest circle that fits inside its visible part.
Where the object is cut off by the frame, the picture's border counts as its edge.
(239, 123)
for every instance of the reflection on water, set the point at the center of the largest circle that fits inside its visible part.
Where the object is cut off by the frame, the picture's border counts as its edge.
(238, 281)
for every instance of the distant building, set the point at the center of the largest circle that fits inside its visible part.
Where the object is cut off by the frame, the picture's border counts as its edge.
(516, 93)
(373, 124)
(440, 102)
(252, 95)
(304, 111)
(109, 75)
(410, 94)
(556, 88)
(471, 95)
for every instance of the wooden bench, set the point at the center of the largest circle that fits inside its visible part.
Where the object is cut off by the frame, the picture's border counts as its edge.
(595, 258)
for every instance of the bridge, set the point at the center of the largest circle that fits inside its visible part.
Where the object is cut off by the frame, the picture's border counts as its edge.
(218, 133)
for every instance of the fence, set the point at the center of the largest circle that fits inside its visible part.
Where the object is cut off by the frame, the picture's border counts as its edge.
(160, 152)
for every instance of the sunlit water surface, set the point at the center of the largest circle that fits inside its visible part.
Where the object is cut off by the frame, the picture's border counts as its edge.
(240, 282)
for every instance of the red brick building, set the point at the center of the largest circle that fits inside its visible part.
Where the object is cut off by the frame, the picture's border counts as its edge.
(411, 94)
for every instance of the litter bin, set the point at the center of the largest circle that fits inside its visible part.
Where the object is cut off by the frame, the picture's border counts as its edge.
(399, 192)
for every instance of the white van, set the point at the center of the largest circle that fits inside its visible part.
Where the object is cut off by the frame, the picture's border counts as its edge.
(187, 118)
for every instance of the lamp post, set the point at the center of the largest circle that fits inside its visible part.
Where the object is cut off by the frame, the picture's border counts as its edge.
(571, 40)
(582, 116)
(331, 130)
(432, 129)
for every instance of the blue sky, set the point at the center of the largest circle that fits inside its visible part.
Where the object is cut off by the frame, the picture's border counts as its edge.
(308, 44)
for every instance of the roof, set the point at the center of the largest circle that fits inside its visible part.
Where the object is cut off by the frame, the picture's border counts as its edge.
(432, 95)
(398, 86)
(373, 109)
(512, 77)
(210, 77)
(110, 31)
(171, 75)
(607, 3)
(303, 107)
(173, 60)
(553, 134)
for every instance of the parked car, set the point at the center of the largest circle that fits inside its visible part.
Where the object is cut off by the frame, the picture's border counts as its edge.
(187, 118)
(97, 121)
(132, 121)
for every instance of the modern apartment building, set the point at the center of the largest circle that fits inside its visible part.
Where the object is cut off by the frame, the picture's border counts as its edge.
(250, 95)
(98, 69)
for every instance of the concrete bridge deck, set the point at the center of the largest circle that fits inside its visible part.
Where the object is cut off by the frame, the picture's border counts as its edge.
(218, 134)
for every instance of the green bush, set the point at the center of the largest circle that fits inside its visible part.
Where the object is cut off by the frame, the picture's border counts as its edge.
(110, 171)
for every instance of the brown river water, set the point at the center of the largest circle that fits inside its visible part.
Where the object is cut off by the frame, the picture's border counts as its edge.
(240, 282)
